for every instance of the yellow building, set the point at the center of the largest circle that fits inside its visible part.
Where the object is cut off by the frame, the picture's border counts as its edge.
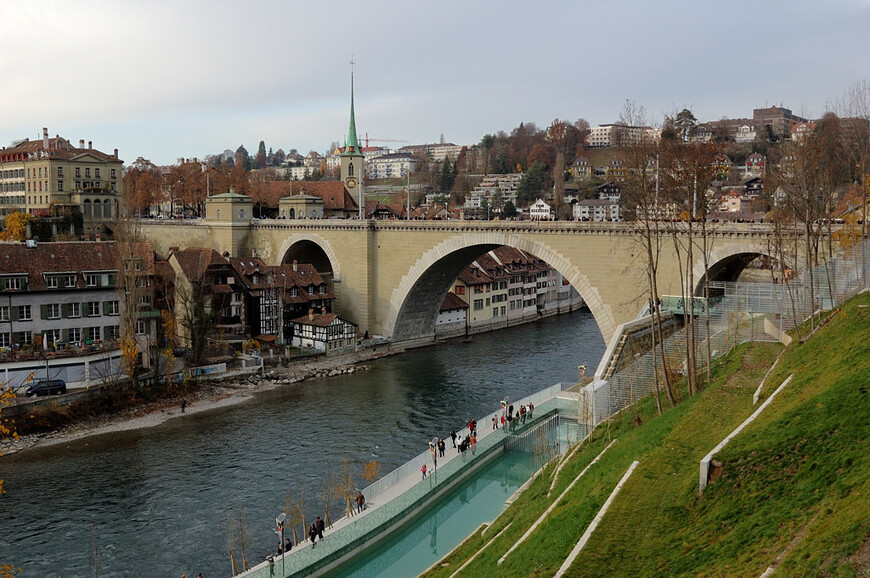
(43, 176)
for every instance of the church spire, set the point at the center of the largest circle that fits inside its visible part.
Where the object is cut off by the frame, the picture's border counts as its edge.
(352, 144)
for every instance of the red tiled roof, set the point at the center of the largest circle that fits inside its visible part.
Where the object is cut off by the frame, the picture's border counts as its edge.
(452, 302)
(335, 196)
(318, 319)
(58, 148)
(66, 257)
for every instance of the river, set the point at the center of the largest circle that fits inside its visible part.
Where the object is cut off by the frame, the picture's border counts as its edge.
(153, 502)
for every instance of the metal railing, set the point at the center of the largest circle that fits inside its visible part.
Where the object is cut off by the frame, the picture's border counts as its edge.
(740, 312)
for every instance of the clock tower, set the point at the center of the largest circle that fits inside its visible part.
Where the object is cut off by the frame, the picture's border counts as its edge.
(352, 160)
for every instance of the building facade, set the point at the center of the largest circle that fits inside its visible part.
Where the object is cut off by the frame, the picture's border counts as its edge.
(43, 176)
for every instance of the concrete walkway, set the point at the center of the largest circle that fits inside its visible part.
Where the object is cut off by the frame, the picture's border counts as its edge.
(409, 481)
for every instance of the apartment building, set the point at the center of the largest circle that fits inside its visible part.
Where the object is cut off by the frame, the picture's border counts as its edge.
(40, 176)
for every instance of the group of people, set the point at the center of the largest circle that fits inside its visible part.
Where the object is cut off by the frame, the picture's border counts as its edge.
(511, 418)
(315, 531)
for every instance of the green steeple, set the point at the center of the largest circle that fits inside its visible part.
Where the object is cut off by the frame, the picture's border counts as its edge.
(352, 145)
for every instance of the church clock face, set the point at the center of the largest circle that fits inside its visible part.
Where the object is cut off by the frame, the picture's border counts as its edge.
(351, 183)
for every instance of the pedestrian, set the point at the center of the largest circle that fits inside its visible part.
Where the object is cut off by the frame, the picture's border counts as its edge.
(502, 420)
(453, 436)
(472, 441)
(441, 447)
(312, 534)
(523, 413)
(183, 405)
(288, 545)
(360, 502)
(494, 423)
(320, 527)
(531, 408)
(423, 471)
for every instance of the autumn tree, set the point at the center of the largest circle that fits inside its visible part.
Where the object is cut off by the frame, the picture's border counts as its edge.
(16, 226)
(142, 184)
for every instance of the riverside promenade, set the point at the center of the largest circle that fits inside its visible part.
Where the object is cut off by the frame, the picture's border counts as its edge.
(400, 495)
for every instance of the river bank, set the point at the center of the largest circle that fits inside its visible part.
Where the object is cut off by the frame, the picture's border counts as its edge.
(207, 396)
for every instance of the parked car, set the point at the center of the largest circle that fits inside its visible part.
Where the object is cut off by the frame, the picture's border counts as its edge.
(47, 387)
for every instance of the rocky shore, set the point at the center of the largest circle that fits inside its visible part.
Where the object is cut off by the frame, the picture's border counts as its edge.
(208, 396)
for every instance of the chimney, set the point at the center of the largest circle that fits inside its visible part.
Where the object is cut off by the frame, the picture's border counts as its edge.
(295, 266)
(90, 144)
(45, 138)
(116, 153)
(310, 314)
(81, 143)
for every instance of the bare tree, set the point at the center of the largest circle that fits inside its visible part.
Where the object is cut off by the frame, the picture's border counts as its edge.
(641, 194)
(237, 534)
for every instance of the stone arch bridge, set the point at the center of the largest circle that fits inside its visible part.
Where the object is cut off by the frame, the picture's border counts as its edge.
(390, 277)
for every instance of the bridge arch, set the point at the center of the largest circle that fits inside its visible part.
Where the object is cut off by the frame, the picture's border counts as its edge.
(726, 264)
(416, 300)
(313, 249)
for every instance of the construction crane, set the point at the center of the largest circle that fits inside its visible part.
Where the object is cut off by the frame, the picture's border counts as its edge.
(367, 139)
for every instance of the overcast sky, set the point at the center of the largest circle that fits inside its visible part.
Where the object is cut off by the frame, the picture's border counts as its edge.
(169, 79)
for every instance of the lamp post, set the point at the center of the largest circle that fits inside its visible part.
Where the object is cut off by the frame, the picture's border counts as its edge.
(279, 523)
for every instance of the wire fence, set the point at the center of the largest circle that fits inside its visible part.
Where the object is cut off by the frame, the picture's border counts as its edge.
(736, 313)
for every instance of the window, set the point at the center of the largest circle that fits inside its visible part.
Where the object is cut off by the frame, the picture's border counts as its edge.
(140, 327)
(487, 301)
(460, 290)
(111, 308)
(5, 339)
(478, 289)
(75, 309)
(321, 290)
(495, 311)
(478, 304)
(12, 284)
(52, 282)
(75, 334)
(92, 280)
(294, 292)
(311, 289)
(24, 313)
(145, 301)
(87, 172)
(93, 308)
(112, 332)
(112, 172)
(25, 337)
(92, 333)
(52, 311)
(51, 336)
(60, 185)
(78, 172)
(4, 313)
(60, 171)
(97, 172)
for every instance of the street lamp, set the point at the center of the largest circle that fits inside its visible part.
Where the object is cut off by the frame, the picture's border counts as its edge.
(279, 523)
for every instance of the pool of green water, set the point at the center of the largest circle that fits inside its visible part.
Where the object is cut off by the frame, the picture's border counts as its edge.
(438, 529)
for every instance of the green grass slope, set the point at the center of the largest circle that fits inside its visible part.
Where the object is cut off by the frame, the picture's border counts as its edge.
(794, 487)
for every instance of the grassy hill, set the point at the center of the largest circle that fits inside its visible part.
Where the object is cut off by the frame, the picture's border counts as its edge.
(794, 488)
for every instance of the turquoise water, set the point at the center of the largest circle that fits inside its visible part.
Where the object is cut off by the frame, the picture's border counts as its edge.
(440, 528)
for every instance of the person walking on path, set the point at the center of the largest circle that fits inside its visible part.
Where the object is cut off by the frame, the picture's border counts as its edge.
(423, 471)
(360, 502)
(441, 447)
(453, 436)
(320, 527)
(494, 423)
(472, 442)
(312, 534)
(288, 545)
(531, 408)
(183, 405)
